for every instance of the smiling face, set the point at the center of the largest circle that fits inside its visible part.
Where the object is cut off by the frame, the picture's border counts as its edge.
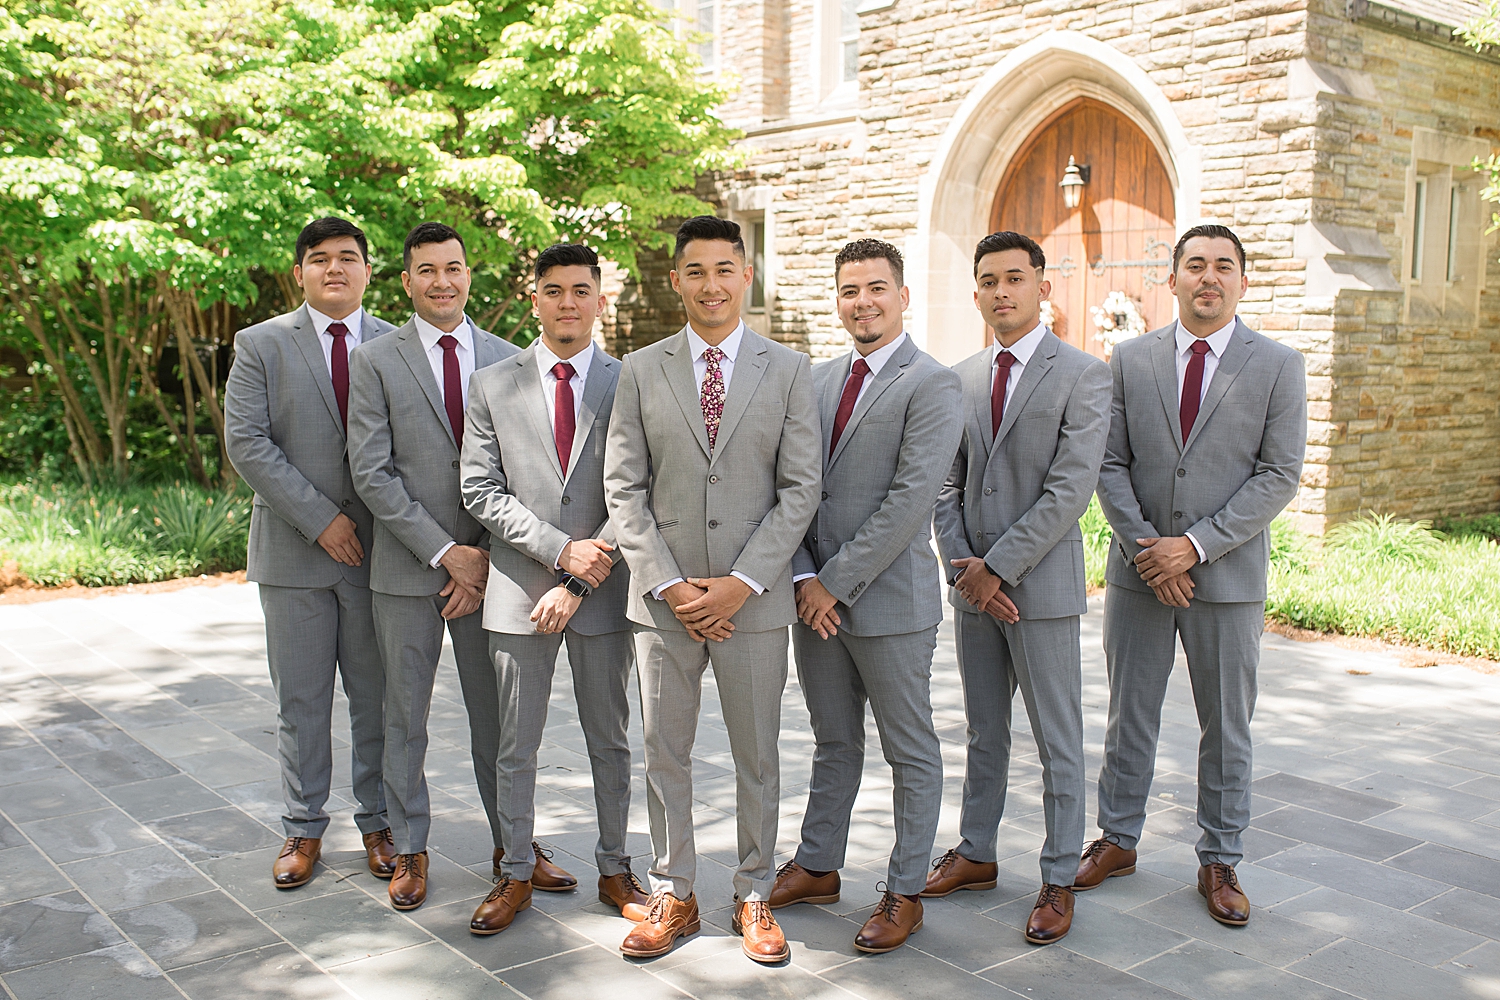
(438, 282)
(1208, 283)
(870, 303)
(1009, 294)
(567, 301)
(333, 276)
(711, 277)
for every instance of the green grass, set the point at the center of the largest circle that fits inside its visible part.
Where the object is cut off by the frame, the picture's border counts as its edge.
(59, 534)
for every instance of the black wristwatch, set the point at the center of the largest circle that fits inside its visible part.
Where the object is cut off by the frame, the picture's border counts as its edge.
(574, 586)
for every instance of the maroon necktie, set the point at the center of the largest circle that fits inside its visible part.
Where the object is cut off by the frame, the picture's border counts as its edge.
(1003, 361)
(847, 401)
(563, 421)
(453, 387)
(1192, 388)
(340, 369)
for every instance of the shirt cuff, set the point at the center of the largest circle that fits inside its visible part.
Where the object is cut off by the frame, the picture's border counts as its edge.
(557, 563)
(1198, 548)
(436, 560)
(747, 581)
(803, 576)
(664, 587)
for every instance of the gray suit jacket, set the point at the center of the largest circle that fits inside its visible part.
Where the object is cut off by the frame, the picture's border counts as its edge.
(405, 461)
(870, 543)
(532, 506)
(1238, 469)
(1015, 497)
(284, 435)
(677, 511)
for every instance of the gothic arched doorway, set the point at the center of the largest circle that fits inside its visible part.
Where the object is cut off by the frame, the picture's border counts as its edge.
(1118, 239)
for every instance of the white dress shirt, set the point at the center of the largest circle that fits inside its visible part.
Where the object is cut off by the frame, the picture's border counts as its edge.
(430, 335)
(1217, 341)
(730, 345)
(545, 359)
(354, 321)
(1022, 350)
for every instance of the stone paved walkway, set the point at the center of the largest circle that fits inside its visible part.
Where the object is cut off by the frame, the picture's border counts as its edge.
(140, 805)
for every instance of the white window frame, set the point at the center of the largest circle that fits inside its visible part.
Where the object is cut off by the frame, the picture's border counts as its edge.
(1445, 249)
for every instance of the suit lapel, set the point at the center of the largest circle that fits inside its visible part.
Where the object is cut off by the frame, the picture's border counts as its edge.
(677, 366)
(978, 383)
(305, 336)
(603, 370)
(1164, 361)
(748, 369)
(1241, 346)
(416, 359)
(1032, 374)
(529, 385)
(889, 373)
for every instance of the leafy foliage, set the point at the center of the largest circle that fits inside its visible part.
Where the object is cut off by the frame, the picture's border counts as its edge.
(1386, 538)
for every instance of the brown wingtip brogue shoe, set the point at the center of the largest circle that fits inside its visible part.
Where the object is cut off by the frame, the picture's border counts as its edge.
(795, 884)
(294, 865)
(895, 919)
(509, 897)
(953, 872)
(625, 893)
(1052, 916)
(408, 889)
(1227, 902)
(667, 919)
(549, 877)
(380, 851)
(760, 935)
(1102, 859)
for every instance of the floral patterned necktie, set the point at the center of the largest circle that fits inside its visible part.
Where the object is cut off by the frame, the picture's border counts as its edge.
(712, 397)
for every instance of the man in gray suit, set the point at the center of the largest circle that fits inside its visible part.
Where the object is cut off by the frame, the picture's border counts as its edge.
(869, 591)
(711, 475)
(533, 474)
(1036, 419)
(284, 407)
(1205, 449)
(428, 567)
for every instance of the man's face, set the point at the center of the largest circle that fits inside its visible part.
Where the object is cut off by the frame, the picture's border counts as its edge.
(1009, 293)
(437, 279)
(870, 302)
(711, 277)
(333, 276)
(1209, 281)
(567, 301)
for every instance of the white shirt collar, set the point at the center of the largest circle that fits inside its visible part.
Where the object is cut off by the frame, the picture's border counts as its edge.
(877, 359)
(1218, 341)
(463, 333)
(730, 345)
(353, 321)
(545, 359)
(1023, 349)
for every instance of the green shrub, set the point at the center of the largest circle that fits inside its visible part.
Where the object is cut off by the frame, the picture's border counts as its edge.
(1386, 538)
(208, 531)
(1097, 539)
(1484, 525)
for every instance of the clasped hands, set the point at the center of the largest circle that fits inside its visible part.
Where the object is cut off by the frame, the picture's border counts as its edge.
(587, 559)
(981, 587)
(704, 605)
(1163, 563)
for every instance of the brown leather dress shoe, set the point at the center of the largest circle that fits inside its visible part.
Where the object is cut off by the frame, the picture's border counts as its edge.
(761, 937)
(794, 884)
(953, 872)
(1102, 859)
(1052, 916)
(294, 865)
(380, 850)
(667, 919)
(509, 897)
(408, 889)
(625, 893)
(1227, 902)
(544, 874)
(895, 919)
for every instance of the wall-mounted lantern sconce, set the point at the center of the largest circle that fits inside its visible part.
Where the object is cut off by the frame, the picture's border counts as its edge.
(1074, 178)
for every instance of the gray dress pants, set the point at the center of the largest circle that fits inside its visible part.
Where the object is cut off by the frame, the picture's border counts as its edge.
(893, 673)
(410, 631)
(1042, 658)
(311, 634)
(523, 666)
(1222, 643)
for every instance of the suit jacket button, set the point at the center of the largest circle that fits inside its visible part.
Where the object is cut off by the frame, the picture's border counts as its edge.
(713, 524)
(825, 496)
(1181, 473)
(713, 479)
(455, 465)
(815, 538)
(988, 491)
(348, 502)
(567, 499)
(1176, 513)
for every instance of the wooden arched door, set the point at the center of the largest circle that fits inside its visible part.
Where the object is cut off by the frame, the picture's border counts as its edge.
(1118, 239)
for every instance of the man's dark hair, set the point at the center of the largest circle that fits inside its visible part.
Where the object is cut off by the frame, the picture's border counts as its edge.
(1007, 240)
(1213, 232)
(430, 232)
(871, 250)
(707, 227)
(565, 255)
(330, 228)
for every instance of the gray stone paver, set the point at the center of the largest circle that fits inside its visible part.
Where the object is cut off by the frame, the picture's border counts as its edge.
(139, 803)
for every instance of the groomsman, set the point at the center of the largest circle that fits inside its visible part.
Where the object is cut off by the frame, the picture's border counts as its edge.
(1205, 449)
(284, 413)
(533, 474)
(429, 564)
(869, 591)
(711, 475)
(1007, 522)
